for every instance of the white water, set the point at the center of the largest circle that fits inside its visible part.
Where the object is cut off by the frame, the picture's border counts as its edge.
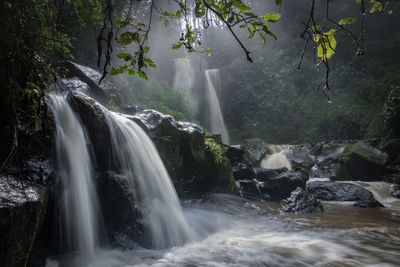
(381, 192)
(232, 234)
(184, 78)
(215, 117)
(80, 203)
(144, 172)
(276, 160)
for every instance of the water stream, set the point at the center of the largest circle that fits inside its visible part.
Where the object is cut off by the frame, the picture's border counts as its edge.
(80, 211)
(215, 117)
(141, 167)
(277, 159)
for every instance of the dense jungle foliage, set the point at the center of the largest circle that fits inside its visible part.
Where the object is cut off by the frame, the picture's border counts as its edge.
(269, 99)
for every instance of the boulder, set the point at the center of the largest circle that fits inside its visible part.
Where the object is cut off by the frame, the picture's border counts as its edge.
(195, 162)
(392, 148)
(267, 174)
(280, 187)
(332, 191)
(300, 201)
(298, 156)
(254, 151)
(104, 92)
(249, 189)
(243, 171)
(395, 190)
(23, 206)
(361, 162)
(326, 158)
(234, 154)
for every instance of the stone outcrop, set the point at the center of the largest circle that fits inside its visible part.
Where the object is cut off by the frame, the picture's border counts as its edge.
(300, 201)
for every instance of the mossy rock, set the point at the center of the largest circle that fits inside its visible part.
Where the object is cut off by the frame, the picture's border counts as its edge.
(392, 148)
(254, 151)
(361, 162)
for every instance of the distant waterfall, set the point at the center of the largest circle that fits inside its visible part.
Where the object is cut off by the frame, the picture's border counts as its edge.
(141, 167)
(216, 120)
(80, 201)
(277, 159)
(184, 78)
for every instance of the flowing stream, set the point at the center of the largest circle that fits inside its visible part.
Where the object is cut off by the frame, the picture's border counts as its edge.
(216, 230)
(142, 169)
(277, 159)
(215, 117)
(81, 218)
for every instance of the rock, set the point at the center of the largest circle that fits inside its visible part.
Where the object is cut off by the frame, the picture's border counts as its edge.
(267, 174)
(299, 158)
(326, 159)
(193, 165)
(332, 191)
(103, 92)
(195, 162)
(254, 151)
(92, 115)
(300, 201)
(249, 189)
(395, 190)
(280, 187)
(361, 162)
(234, 154)
(392, 148)
(23, 207)
(242, 171)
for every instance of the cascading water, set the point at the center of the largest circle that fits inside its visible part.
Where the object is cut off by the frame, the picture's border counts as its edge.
(80, 202)
(216, 119)
(184, 78)
(144, 172)
(277, 159)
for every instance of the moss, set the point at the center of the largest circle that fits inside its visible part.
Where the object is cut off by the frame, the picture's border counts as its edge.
(254, 149)
(217, 150)
(392, 148)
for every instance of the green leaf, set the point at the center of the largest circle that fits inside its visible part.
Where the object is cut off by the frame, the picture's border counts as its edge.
(128, 37)
(278, 2)
(347, 21)
(177, 45)
(262, 37)
(142, 74)
(124, 56)
(240, 5)
(199, 9)
(272, 17)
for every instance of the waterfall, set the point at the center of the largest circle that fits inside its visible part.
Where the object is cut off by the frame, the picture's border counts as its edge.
(184, 78)
(142, 169)
(216, 120)
(80, 203)
(277, 159)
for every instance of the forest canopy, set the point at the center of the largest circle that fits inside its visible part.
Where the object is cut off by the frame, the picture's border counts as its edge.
(39, 36)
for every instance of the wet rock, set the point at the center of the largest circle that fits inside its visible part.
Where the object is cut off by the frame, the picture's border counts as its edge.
(267, 174)
(280, 187)
(103, 92)
(395, 190)
(392, 148)
(243, 171)
(300, 201)
(23, 207)
(195, 162)
(249, 189)
(326, 159)
(361, 162)
(298, 156)
(234, 154)
(192, 164)
(92, 115)
(254, 151)
(332, 191)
